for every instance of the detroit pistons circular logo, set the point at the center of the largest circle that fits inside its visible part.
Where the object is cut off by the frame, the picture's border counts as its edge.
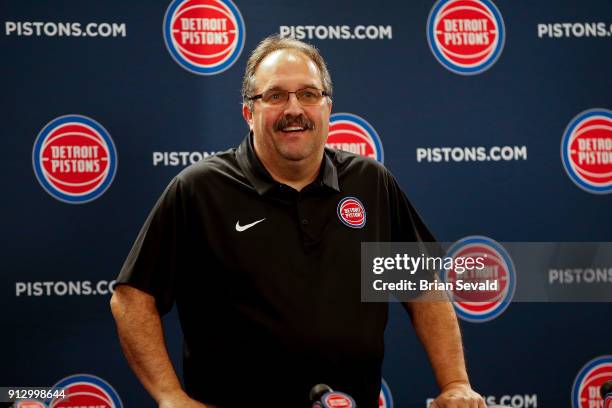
(337, 399)
(586, 151)
(588, 382)
(205, 37)
(29, 403)
(85, 390)
(354, 134)
(488, 301)
(351, 212)
(466, 36)
(385, 400)
(74, 159)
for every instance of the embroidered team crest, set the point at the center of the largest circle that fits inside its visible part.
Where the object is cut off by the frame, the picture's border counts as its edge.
(351, 212)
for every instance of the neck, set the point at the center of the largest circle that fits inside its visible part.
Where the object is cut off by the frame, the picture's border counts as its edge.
(294, 173)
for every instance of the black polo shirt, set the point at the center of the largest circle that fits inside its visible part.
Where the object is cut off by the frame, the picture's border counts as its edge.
(266, 279)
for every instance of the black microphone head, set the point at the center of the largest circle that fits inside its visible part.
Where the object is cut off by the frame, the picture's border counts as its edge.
(606, 389)
(317, 392)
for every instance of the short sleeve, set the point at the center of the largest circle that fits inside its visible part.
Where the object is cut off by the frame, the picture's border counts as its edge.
(407, 225)
(156, 257)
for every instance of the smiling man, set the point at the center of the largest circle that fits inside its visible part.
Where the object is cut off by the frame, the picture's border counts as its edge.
(291, 126)
(257, 249)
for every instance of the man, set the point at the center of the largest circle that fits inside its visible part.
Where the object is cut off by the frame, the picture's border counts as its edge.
(264, 268)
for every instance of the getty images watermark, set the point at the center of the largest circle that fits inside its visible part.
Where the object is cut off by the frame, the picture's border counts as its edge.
(480, 270)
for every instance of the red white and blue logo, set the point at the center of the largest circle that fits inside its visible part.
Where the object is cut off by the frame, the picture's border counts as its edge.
(351, 212)
(586, 389)
(466, 36)
(385, 400)
(205, 37)
(85, 390)
(335, 399)
(354, 134)
(586, 150)
(29, 403)
(481, 305)
(74, 159)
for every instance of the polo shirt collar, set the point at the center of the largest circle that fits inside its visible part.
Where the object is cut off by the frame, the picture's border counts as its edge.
(261, 179)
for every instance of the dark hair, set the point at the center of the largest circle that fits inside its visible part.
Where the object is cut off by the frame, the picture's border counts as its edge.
(274, 43)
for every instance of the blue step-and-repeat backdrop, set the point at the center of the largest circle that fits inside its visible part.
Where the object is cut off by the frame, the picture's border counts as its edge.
(495, 117)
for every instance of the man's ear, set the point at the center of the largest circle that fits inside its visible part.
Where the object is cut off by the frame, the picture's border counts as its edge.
(247, 115)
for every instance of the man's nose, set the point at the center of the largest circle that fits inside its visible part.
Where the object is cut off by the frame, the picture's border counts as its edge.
(293, 106)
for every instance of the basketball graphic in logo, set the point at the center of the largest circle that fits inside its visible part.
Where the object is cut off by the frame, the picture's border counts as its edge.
(85, 390)
(586, 151)
(354, 134)
(588, 382)
(351, 212)
(74, 159)
(466, 36)
(481, 305)
(385, 400)
(205, 37)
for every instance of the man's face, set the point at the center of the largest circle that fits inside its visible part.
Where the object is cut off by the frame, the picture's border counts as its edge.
(289, 132)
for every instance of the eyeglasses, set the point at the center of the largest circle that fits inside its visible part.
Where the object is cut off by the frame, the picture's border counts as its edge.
(278, 97)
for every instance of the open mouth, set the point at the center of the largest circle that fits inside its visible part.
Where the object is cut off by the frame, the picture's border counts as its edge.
(294, 124)
(292, 129)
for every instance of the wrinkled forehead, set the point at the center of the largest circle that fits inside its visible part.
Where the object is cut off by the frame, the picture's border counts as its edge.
(286, 69)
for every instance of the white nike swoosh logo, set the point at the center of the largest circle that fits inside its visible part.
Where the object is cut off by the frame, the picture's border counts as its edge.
(241, 228)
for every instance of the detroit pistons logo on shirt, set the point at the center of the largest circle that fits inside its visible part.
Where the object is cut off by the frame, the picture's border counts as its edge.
(588, 382)
(351, 212)
(85, 390)
(586, 150)
(205, 37)
(355, 135)
(485, 304)
(74, 159)
(385, 400)
(466, 36)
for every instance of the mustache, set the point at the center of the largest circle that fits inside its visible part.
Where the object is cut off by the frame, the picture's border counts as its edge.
(288, 120)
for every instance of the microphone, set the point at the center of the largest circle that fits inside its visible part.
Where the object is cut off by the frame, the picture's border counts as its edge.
(606, 394)
(322, 396)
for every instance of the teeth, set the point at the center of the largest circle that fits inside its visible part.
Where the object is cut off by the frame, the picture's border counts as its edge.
(292, 128)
